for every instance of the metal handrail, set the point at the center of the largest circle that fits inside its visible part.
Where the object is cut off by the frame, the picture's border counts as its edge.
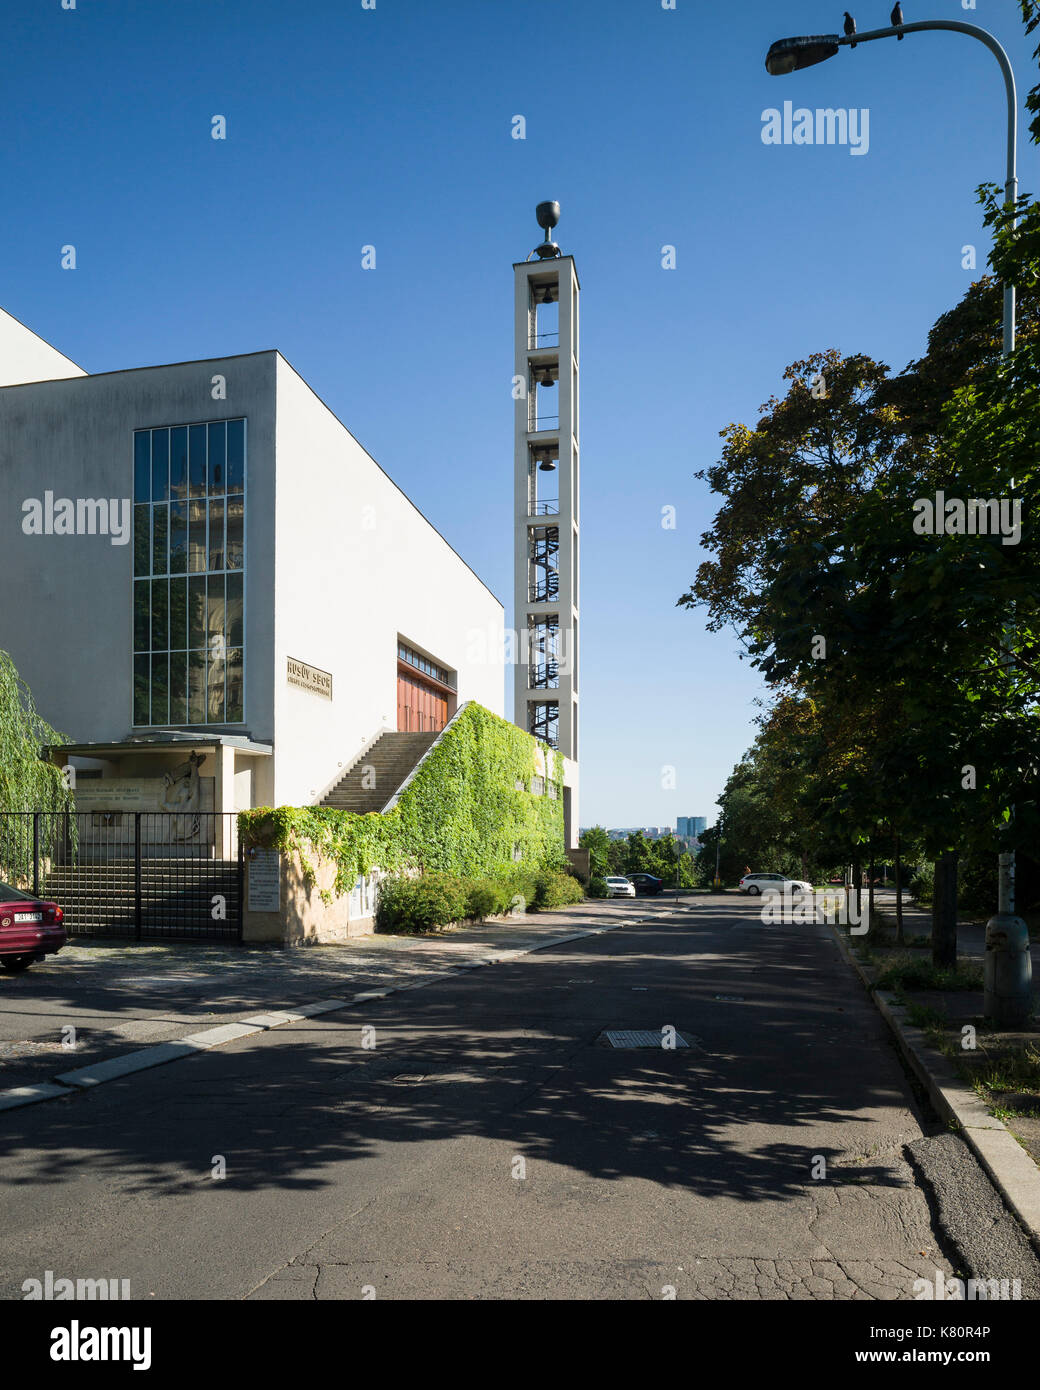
(544, 676)
(544, 593)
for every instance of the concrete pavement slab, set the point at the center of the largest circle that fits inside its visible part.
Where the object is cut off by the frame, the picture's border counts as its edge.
(124, 1066)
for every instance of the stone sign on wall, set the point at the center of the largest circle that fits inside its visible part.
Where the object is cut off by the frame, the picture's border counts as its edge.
(310, 678)
(265, 873)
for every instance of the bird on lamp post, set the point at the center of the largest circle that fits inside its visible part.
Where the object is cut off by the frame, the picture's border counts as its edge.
(897, 19)
(850, 26)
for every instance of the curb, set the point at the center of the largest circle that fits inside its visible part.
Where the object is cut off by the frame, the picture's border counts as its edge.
(85, 1078)
(1012, 1171)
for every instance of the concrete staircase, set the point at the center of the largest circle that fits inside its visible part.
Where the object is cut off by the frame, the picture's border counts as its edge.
(176, 896)
(386, 764)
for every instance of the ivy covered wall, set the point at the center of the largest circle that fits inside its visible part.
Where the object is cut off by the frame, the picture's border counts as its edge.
(461, 813)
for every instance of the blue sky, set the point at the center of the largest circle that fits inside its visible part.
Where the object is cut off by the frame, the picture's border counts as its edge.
(392, 127)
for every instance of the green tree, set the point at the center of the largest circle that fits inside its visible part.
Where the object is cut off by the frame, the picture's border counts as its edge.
(667, 852)
(617, 857)
(27, 783)
(898, 639)
(597, 842)
(905, 658)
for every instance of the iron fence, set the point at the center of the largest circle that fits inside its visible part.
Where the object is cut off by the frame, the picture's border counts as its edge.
(143, 875)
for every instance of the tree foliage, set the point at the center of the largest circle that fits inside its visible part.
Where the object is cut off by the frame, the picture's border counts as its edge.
(27, 783)
(903, 657)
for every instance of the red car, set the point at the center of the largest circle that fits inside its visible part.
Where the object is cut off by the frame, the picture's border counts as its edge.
(30, 928)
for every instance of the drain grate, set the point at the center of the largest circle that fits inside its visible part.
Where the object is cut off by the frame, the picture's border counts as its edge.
(642, 1037)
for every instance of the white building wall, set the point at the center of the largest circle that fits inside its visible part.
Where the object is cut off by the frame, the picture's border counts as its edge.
(338, 562)
(356, 564)
(25, 357)
(66, 609)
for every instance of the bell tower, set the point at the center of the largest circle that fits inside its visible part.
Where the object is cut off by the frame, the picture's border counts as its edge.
(546, 510)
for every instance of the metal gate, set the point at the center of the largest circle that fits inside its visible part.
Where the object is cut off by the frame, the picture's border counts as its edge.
(138, 875)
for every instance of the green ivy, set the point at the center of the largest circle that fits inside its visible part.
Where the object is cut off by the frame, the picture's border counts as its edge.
(460, 814)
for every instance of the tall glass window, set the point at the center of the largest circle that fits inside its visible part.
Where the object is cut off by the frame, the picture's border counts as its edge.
(189, 573)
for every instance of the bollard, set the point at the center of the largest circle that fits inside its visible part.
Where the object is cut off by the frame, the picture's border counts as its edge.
(1008, 971)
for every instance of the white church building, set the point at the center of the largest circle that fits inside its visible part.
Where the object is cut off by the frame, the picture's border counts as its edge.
(200, 557)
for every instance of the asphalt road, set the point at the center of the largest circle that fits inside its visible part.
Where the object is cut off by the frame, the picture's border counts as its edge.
(488, 1146)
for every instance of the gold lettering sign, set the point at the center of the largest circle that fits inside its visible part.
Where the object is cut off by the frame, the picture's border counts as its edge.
(310, 678)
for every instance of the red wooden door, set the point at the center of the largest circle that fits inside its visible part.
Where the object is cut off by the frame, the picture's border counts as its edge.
(420, 707)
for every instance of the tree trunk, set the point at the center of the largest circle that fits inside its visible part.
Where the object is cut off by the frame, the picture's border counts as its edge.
(898, 871)
(857, 883)
(944, 911)
(870, 887)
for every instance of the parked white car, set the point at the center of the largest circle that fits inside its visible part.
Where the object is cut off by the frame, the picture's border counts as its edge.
(755, 884)
(618, 887)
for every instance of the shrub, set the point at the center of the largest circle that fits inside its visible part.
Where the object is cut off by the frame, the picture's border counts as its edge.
(908, 974)
(555, 889)
(521, 882)
(921, 886)
(597, 887)
(422, 903)
(417, 904)
(486, 897)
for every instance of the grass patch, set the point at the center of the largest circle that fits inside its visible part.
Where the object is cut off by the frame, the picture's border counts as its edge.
(936, 1037)
(1006, 1078)
(1011, 1069)
(933, 1023)
(925, 1016)
(1002, 1113)
(909, 974)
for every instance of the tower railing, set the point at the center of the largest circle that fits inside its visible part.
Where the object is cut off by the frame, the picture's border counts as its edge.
(544, 676)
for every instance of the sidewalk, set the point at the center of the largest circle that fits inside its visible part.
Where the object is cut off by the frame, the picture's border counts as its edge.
(944, 1013)
(120, 998)
(985, 1081)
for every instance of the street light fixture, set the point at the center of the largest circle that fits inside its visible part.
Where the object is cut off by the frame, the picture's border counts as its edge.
(789, 55)
(1008, 969)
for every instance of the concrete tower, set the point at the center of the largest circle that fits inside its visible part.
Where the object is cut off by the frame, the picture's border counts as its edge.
(546, 501)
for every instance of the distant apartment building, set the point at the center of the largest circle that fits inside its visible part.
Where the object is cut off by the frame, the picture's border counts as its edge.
(691, 827)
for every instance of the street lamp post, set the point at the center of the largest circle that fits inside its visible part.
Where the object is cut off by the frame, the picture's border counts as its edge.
(791, 55)
(1008, 969)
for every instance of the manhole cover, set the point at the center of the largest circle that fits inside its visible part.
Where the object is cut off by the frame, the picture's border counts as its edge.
(639, 1037)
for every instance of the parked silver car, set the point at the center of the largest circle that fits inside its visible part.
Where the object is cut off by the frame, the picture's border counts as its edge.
(754, 884)
(618, 887)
